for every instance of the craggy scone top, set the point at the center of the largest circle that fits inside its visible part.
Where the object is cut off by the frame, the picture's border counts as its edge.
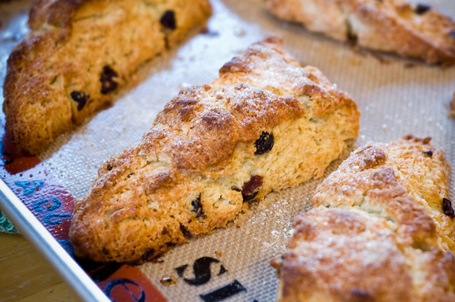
(79, 54)
(414, 31)
(265, 124)
(382, 230)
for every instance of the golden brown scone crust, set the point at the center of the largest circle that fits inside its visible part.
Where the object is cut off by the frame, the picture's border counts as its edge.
(265, 124)
(79, 54)
(413, 31)
(378, 231)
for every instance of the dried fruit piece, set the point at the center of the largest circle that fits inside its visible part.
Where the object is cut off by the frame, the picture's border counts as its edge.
(186, 233)
(168, 20)
(107, 80)
(197, 207)
(447, 208)
(80, 98)
(164, 231)
(422, 9)
(251, 188)
(264, 143)
(429, 153)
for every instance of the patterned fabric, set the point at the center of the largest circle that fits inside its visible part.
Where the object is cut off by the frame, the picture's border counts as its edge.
(6, 226)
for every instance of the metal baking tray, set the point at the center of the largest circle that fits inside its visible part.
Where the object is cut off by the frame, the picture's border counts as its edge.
(395, 96)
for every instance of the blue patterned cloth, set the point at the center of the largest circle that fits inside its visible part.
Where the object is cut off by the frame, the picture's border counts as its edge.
(6, 226)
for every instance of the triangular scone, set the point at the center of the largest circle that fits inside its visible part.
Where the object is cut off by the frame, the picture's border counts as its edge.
(413, 31)
(382, 230)
(265, 124)
(78, 54)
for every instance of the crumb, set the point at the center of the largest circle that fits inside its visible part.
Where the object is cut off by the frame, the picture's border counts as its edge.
(218, 253)
(355, 61)
(157, 260)
(211, 33)
(239, 32)
(167, 281)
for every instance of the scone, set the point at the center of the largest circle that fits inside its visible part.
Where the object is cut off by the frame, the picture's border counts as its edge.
(382, 229)
(413, 31)
(265, 124)
(79, 54)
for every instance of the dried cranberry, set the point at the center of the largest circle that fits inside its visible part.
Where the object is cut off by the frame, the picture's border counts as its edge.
(264, 143)
(422, 9)
(197, 207)
(251, 188)
(447, 208)
(81, 98)
(107, 80)
(429, 153)
(168, 20)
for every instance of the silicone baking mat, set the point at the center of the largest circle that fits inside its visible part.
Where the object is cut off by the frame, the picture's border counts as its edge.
(395, 96)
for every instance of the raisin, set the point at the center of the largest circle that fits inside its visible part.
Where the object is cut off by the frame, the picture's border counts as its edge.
(251, 188)
(185, 231)
(109, 167)
(107, 80)
(361, 295)
(168, 20)
(422, 9)
(447, 208)
(80, 98)
(429, 153)
(452, 34)
(264, 143)
(197, 207)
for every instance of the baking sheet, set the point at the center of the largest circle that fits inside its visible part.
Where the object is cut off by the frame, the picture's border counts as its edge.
(395, 97)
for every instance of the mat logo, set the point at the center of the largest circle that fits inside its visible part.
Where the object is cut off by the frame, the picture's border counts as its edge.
(126, 288)
(29, 187)
(46, 205)
(202, 271)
